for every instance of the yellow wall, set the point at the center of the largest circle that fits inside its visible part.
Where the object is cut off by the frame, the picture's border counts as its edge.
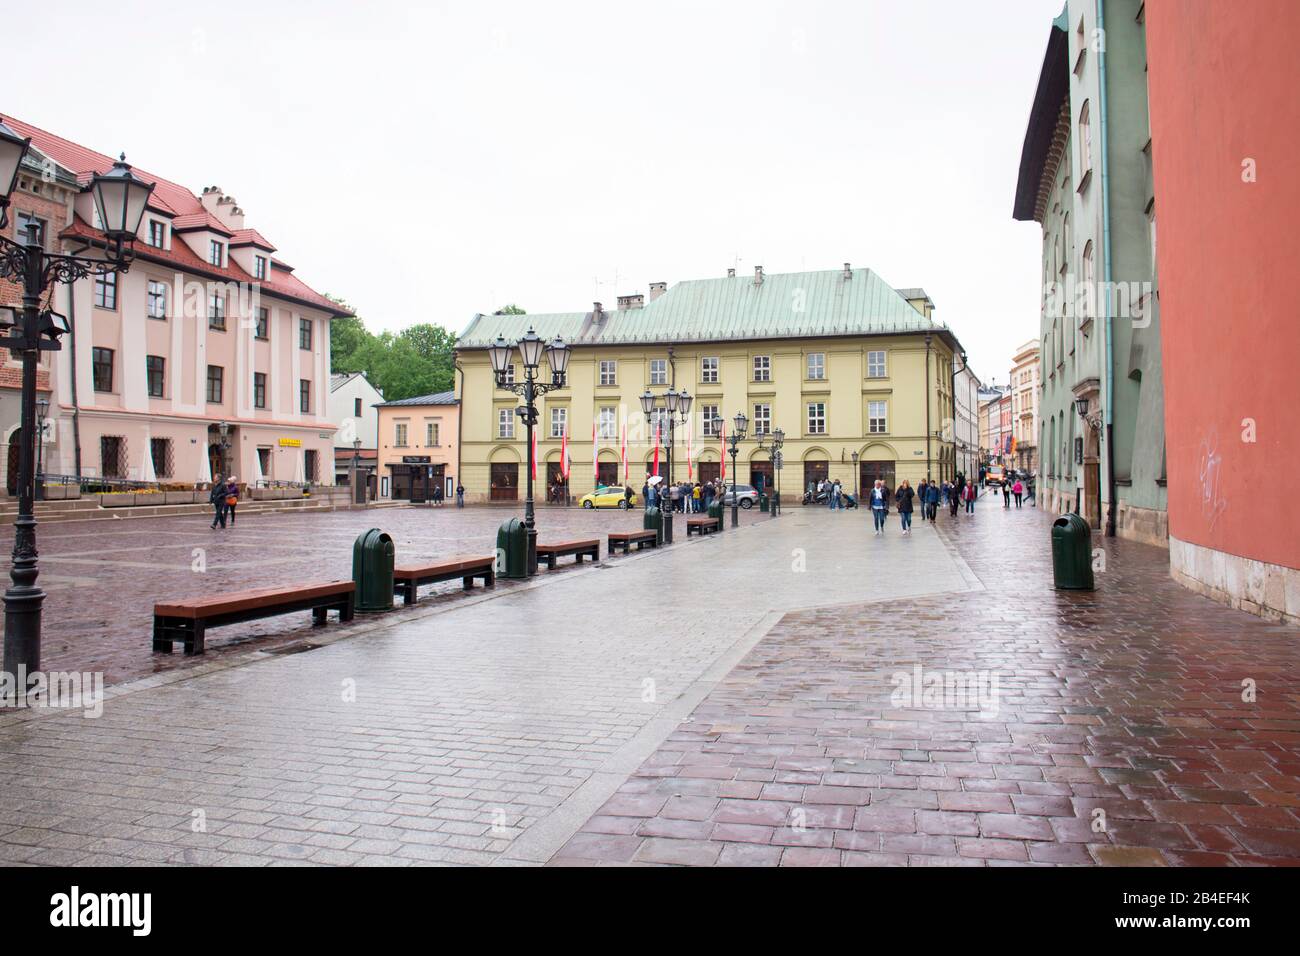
(845, 390)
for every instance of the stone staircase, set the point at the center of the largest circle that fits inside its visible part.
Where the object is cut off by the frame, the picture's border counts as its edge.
(89, 509)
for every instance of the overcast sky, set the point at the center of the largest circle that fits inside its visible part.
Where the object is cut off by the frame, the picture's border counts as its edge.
(428, 161)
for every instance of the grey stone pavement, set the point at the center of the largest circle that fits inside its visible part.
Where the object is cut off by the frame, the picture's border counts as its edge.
(476, 731)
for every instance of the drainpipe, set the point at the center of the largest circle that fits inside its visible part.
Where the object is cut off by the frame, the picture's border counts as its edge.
(927, 407)
(1106, 267)
(460, 420)
(76, 405)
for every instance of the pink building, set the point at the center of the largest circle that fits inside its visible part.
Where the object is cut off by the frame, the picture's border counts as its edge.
(208, 356)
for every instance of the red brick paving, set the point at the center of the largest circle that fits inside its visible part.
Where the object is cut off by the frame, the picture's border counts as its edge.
(1121, 737)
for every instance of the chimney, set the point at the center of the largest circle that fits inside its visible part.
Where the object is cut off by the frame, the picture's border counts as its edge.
(657, 289)
(596, 313)
(211, 196)
(848, 272)
(758, 275)
(731, 273)
(626, 302)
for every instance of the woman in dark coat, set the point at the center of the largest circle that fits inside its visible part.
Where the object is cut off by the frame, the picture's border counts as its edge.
(217, 498)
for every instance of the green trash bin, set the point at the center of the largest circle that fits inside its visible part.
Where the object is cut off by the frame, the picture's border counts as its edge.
(512, 549)
(763, 504)
(654, 521)
(715, 511)
(1072, 554)
(372, 570)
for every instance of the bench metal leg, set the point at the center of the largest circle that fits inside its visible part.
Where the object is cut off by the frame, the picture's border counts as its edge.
(192, 634)
(467, 582)
(489, 578)
(162, 642)
(348, 607)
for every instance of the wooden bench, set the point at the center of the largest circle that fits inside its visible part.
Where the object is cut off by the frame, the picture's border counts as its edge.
(701, 526)
(579, 549)
(407, 580)
(188, 621)
(625, 540)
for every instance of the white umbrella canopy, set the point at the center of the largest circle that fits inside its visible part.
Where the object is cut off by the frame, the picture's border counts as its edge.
(654, 480)
(146, 470)
(299, 472)
(205, 467)
(258, 475)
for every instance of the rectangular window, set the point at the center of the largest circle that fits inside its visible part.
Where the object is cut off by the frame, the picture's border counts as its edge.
(106, 291)
(506, 423)
(356, 408)
(263, 324)
(431, 436)
(154, 366)
(876, 364)
(160, 450)
(157, 234)
(215, 373)
(762, 368)
(399, 434)
(215, 253)
(310, 460)
(762, 419)
(708, 413)
(658, 371)
(101, 367)
(217, 312)
(112, 456)
(877, 417)
(507, 376)
(304, 395)
(259, 267)
(816, 418)
(709, 370)
(608, 422)
(259, 390)
(304, 334)
(156, 300)
(608, 372)
(816, 366)
(559, 418)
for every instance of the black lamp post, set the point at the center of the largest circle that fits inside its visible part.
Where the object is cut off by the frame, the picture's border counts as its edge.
(854, 456)
(530, 348)
(224, 428)
(120, 197)
(740, 426)
(772, 445)
(42, 412)
(675, 410)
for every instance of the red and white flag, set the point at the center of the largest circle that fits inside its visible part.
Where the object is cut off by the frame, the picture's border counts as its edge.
(532, 456)
(623, 453)
(564, 454)
(722, 450)
(690, 473)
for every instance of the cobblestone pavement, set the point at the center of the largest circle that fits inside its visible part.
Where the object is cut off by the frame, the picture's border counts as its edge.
(1121, 735)
(103, 577)
(488, 728)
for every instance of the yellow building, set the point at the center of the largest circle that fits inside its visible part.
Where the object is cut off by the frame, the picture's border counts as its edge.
(840, 361)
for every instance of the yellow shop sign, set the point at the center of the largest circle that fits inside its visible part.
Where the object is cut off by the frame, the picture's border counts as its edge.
(290, 442)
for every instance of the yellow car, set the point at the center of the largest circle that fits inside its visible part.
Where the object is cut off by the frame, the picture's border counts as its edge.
(608, 497)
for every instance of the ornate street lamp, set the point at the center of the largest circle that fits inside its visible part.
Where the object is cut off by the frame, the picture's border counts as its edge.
(740, 427)
(530, 348)
(42, 412)
(120, 198)
(854, 456)
(674, 411)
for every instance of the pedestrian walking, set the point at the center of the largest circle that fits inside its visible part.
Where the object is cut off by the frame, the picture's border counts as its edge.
(437, 496)
(1006, 494)
(460, 495)
(904, 496)
(968, 495)
(232, 498)
(879, 506)
(217, 498)
(931, 500)
(922, 490)
(1018, 490)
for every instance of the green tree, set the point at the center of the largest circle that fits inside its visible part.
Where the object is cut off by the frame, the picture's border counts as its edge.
(510, 309)
(416, 361)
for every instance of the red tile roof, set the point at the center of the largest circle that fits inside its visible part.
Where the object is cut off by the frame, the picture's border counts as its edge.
(251, 237)
(200, 220)
(175, 200)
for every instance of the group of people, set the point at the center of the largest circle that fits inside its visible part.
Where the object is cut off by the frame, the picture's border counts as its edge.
(924, 499)
(837, 499)
(224, 497)
(683, 496)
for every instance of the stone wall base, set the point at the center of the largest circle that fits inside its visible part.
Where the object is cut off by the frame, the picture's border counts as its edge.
(1267, 590)
(1142, 524)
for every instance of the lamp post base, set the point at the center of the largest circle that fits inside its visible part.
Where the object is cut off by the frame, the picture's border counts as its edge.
(22, 649)
(531, 560)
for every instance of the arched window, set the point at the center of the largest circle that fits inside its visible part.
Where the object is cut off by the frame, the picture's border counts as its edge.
(1089, 291)
(1085, 141)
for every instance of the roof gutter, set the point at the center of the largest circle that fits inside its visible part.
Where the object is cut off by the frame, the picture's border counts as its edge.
(1109, 403)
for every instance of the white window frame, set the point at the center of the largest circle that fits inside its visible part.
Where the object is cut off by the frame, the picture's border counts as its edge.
(762, 418)
(156, 299)
(400, 434)
(432, 434)
(1085, 138)
(818, 418)
(709, 369)
(882, 364)
(819, 367)
(877, 424)
(508, 376)
(707, 414)
(505, 423)
(607, 422)
(559, 418)
(762, 368)
(658, 371)
(259, 267)
(608, 372)
(216, 253)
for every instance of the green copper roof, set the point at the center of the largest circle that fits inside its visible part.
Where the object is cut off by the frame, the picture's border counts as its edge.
(793, 304)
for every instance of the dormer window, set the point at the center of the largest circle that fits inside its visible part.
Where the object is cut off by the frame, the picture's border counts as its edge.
(216, 252)
(157, 233)
(259, 267)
